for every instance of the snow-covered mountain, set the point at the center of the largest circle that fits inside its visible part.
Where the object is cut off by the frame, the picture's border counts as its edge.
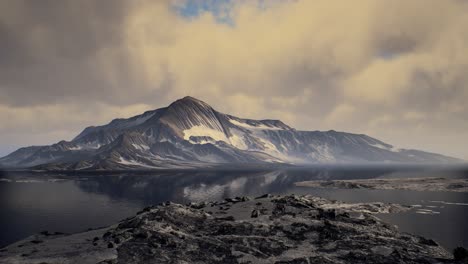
(190, 133)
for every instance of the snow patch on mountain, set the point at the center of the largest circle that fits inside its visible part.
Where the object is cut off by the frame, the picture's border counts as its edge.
(205, 134)
(76, 148)
(237, 139)
(124, 161)
(140, 146)
(322, 153)
(140, 120)
(380, 146)
(200, 131)
(248, 126)
(211, 158)
(90, 145)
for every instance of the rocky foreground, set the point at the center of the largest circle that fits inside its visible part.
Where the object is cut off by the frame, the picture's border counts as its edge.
(267, 229)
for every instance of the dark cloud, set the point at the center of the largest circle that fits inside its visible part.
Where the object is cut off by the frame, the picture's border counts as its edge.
(52, 51)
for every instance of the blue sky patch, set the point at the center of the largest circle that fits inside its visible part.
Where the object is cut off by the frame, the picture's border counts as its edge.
(219, 8)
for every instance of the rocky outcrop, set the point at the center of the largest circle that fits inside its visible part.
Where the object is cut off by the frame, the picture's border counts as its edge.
(434, 184)
(268, 229)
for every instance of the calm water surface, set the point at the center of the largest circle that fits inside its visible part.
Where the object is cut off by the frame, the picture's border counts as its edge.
(33, 203)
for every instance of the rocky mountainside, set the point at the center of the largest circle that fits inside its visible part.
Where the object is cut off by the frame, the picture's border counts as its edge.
(267, 229)
(189, 133)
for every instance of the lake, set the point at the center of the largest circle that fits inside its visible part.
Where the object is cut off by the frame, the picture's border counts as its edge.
(34, 202)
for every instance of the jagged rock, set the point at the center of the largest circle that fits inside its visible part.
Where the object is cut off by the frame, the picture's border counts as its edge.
(254, 214)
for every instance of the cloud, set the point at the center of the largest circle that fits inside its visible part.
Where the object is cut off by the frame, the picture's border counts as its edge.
(367, 67)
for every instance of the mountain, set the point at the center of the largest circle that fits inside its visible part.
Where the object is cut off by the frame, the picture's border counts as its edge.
(189, 133)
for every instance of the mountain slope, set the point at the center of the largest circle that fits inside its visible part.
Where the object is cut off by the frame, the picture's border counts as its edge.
(190, 133)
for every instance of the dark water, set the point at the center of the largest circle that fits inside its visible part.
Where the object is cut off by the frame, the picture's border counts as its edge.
(30, 203)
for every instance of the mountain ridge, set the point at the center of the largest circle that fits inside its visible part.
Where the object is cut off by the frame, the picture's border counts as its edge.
(189, 133)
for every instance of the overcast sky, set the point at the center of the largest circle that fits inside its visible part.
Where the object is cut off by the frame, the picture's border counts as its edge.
(395, 70)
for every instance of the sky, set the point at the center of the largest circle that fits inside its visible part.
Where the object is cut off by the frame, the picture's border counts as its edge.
(395, 70)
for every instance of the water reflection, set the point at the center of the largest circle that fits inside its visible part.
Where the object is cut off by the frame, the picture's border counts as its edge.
(211, 185)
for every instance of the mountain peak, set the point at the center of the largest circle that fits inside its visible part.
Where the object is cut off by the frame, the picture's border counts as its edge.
(190, 99)
(188, 103)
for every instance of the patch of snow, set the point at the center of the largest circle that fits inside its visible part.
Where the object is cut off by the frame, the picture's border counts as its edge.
(449, 203)
(85, 167)
(270, 148)
(140, 146)
(141, 120)
(200, 131)
(76, 148)
(90, 145)
(137, 121)
(237, 139)
(211, 158)
(260, 126)
(5, 180)
(322, 154)
(28, 181)
(134, 163)
(380, 146)
(426, 211)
